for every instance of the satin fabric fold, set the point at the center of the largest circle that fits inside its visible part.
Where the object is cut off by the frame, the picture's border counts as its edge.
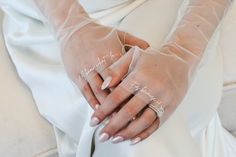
(193, 130)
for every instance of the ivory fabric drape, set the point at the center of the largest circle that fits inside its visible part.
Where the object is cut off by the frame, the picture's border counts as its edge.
(193, 130)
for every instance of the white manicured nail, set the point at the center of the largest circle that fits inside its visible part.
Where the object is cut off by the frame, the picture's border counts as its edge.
(107, 120)
(117, 139)
(103, 137)
(136, 140)
(94, 121)
(97, 106)
(106, 82)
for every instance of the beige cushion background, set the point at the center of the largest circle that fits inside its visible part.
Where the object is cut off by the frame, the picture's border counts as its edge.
(23, 132)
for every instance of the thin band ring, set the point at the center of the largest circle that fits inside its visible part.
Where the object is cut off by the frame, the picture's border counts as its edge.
(157, 108)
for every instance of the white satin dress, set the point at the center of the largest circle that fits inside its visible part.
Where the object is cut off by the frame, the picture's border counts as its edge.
(194, 130)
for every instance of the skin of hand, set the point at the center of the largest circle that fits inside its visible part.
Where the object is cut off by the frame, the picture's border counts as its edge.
(87, 47)
(89, 52)
(165, 75)
(157, 74)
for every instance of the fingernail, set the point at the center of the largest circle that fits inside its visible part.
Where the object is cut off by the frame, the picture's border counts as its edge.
(94, 121)
(106, 121)
(117, 139)
(103, 137)
(135, 141)
(106, 83)
(97, 106)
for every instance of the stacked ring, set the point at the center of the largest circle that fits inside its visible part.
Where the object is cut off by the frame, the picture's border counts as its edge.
(157, 108)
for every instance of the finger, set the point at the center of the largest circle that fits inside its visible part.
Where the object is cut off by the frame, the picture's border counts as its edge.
(113, 100)
(86, 91)
(128, 39)
(120, 69)
(124, 116)
(113, 74)
(95, 83)
(137, 126)
(146, 133)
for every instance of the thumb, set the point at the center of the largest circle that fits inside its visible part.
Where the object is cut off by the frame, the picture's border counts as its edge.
(128, 39)
(115, 73)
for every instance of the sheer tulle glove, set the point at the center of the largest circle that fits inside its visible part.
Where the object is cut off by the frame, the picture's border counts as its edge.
(155, 82)
(88, 52)
(88, 48)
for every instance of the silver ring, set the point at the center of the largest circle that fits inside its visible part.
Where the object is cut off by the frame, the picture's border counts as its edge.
(157, 108)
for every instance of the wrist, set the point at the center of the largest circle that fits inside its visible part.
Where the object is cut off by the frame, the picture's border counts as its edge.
(61, 13)
(70, 17)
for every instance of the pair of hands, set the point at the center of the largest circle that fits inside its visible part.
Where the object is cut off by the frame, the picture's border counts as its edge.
(120, 85)
(123, 85)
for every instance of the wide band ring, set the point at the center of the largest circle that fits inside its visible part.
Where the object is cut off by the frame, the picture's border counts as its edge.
(157, 108)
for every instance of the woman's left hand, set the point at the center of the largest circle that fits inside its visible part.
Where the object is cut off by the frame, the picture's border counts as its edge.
(159, 79)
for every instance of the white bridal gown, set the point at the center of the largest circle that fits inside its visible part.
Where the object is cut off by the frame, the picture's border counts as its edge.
(194, 130)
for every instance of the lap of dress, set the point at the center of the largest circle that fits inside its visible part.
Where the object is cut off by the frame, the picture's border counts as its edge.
(193, 130)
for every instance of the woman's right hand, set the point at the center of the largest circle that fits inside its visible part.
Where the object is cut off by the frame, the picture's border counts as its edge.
(89, 51)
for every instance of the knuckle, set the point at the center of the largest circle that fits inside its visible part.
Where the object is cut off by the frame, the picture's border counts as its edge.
(100, 113)
(105, 72)
(85, 89)
(145, 134)
(129, 112)
(147, 121)
(114, 98)
(91, 100)
(146, 124)
(111, 128)
(97, 90)
(129, 133)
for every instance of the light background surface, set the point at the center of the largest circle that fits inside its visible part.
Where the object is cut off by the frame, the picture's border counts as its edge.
(23, 132)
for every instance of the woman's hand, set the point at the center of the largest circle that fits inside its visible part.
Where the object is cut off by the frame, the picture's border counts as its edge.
(87, 47)
(155, 78)
(89, 51)
(158, 81)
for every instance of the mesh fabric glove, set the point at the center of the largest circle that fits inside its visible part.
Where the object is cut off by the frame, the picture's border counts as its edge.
(87, 47)
(156, 81)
